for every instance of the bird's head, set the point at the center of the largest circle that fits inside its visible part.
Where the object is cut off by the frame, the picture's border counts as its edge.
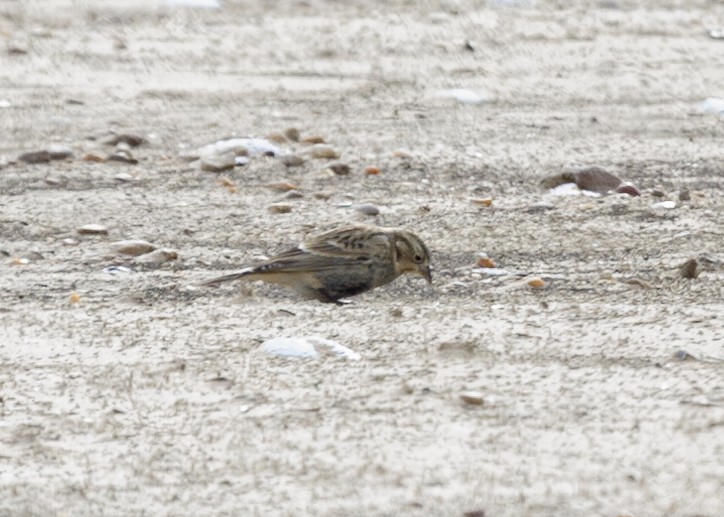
(412, 255)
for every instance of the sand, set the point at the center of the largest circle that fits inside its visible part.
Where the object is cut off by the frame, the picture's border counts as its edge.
(133, 392)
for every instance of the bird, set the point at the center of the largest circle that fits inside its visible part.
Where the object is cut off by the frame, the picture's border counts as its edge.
(342, 262)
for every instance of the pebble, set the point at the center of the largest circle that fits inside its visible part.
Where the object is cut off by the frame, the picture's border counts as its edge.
(306, 347)
(292, 133)
(279, 208)
(667, 205)
(340, 169)
(485, 262)
(117, 270)
(124, 177)
(240, 146)
(277, 138)
(712, 105)
(218, 163)
(74, 297)
(473, 398)
(486, 201)
(52, 152)
(313, 140)
(122, 156)
(93, 156)
(537, 208)
(372, 170)
(324, 151)
(132, 247)
(536, 282)
(690, 268)
(292, 160)
(129, 139)
(684, 194)
(69, 242)
(367, 209)
(92, 229)
(463, 95)
(281, 186)
(157, 257)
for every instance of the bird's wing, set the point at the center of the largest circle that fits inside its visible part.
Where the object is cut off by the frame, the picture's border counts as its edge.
(332, 249)
(351, 242)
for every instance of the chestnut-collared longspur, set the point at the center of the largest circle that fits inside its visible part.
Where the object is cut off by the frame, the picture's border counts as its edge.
(342, 262)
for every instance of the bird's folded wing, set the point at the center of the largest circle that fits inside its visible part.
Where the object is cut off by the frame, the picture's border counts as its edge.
(300, 261)
(349, 243)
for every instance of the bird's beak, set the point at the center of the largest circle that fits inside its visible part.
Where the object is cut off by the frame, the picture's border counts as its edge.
(426, 272)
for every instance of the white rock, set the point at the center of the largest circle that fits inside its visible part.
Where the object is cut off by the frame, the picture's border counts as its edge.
(664, 204)
(712, 105)
(133, 247)
(463, 95)
(571, 189)
(252, 147)
(306, 347)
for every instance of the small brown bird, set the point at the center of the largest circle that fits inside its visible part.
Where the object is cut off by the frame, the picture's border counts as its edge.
(342, 262)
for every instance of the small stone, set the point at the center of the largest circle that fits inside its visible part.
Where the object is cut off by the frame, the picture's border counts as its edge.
(93, 156)
(124, 177)
(628, 188)
(485, 262)
(538, 208)
(92, 229)
(17, 47)
(306, 347)
(218, 163)
(325, 152)
(690, 268)
(683, 355)
(277, 138)
(463, 95)
(157, 257)
(367, 209)
(53, 152)
(17, 261)
(74, 298)
(122, 156)
(129, 139)
(292, 133)
(667, 205)
(474, 398)
(132, 247)
(536, 283)
(340, 169)
(684, 194)
(372, 170)
(313, 140)
(279, 208)
(69, 242)
(293, 195)
(292, 160)
(485, 201)
(281, 186)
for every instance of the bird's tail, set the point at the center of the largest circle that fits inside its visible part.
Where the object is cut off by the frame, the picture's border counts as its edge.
(228, 278)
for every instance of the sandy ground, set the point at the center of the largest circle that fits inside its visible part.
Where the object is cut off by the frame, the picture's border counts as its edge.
(148, 396)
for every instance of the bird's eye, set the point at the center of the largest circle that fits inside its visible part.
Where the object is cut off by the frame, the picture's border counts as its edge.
(418, 258)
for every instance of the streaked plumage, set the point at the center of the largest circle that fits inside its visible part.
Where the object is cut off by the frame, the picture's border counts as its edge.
(342, 262)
